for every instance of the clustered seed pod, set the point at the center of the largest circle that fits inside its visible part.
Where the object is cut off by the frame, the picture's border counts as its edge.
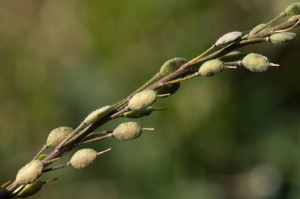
(30, 189)
(283, 37)
(211, 67)
(172, 65)
(142, 100)
(256, 62)
(293, 9)
(259, 26)
(30, 172)
(168, 89)
(233, 56)
(57, 135)
(128, 131)
(83, 158)
(228, 38)
(97, 115)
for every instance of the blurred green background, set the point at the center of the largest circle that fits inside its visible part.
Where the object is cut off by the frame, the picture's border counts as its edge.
(233, 136)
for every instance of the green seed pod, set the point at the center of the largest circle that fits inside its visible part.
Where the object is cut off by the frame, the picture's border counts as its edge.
(292, 18)
(259, 26)
(142, 100)
(83, 158)
(42, 157)
(293, 9)
(96, 115)
(211, 67)
(172, 65)
(168, 89)
(57, 135)
(30, 172)
(30, 189)
(233, 56)
(127, 131)
(256, 62)
(228, 38)
(283, 37)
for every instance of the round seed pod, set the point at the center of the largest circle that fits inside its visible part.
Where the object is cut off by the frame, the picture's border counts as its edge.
(127, 131)
(30, 172)
(57, 135)
(256, 62)
(172, 65)
(96, 115)
(293, 9)
(211, 67)
(233, 56)
(142, 100)
(168, 89)
(283, 37)
(228, 38)
(83, 158)
(30, 189)
(259, 26)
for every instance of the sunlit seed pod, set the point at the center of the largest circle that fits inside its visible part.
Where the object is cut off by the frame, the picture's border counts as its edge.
(128, 131)
(172, 65)
(30, 189)
(228, 38)
(56, 136)
(97, 115)
(259, 26)
(211, 67)
(142, 100)
(42, 156)
(256, 62)
(30, 172)
(292, 18)
(83, 158)
(168, 89)
(232, 56)
(283, 37)
(293, 9)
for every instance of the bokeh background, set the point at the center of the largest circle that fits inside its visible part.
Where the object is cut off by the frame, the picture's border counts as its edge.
(233, 136)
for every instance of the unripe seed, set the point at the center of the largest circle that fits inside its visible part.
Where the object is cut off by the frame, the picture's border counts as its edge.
(256, 62)
(168, 89)
(172, 65)
(259, 26)
(30, 189)
(211, 67)
(293, 9)
(83, 158)
(30, 172)
(142, 100)
(139, 113)
(228, 38)
(283, 37)
(42, 156)
(57, 135)
(127, 131)
(96, 115)
(233, 56)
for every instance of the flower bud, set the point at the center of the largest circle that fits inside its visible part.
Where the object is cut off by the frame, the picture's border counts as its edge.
(142, 100)
(83, 158)
(168, 89)
(211, 67)
(57, 135)
(96, 115)
(30, 172)
(30, 189)
(283, 37)
(228, 38)
(293, 9)
(256, 62)
(127, 131)
(233, 56)
(172, 65)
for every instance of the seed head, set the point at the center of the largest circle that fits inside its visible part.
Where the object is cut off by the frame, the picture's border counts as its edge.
(259, 26)
(256, 62)
(283, 37)
(83, 158)
(30, 189)
(96, 115)
(228, 38)
(172, 65)
(233, 56)
(30, 172)
(142, 100)
(128, 131)
(293, 9)
(168, 89)
(211, 67)
(57, 135)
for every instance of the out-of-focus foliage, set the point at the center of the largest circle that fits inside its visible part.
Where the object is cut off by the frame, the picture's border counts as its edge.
(235, 135)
